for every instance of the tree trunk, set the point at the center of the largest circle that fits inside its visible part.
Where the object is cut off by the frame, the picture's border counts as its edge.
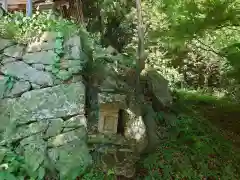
(75, 8)
(140, 62)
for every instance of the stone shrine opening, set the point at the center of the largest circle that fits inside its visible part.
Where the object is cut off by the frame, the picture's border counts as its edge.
(111, 119)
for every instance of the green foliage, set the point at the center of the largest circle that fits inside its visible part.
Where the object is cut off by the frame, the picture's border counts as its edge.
(93, 175)
(111, 20)
(96, 174)
(184, 41)
(232, 53)
(9, 83)
(23, 28)
(195, 148)
(12, 167)
(59, 52)
(183, 38)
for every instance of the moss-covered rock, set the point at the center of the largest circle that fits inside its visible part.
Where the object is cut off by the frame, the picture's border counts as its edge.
(52, 102)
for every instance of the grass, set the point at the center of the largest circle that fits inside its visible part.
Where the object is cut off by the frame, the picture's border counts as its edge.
(198, 98)
(222, 113)
(195, 148)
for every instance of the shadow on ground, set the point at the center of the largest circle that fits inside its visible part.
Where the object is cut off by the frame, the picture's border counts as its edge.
(221, 113)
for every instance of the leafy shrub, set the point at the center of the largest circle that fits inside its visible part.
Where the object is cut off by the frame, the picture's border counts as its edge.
(12, 166)
(184, 40)
(22, 28)
(111, 19)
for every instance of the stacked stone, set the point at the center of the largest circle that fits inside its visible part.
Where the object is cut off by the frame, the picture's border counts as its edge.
(40, 112)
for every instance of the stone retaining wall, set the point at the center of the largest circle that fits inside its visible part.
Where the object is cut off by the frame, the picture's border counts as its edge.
(42, 108)
(42, 102)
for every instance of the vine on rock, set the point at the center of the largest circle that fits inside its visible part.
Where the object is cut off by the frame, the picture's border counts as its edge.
(9, 83)
(59, 52)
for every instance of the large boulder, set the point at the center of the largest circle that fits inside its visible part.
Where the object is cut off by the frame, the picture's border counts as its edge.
(156, 86)
(135, 128)
(141, 125)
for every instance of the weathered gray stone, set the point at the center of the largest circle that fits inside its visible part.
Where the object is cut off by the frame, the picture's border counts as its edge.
(5, 112)
(55, 127)
(111, 97)
(120, 161)
(68, 137)
(15, 133)
(75, 154)
(3, 152)
(23, 71)
(53, 154)
(39, 67)
(15, 51)
(8, 59)
(157, 85)
(50, 45)
(70, 63)
(73, 53)
(35, 86)
(48, 36)
(54, 102)
(73, 41)
(4, 43)
(76, 78)
(40, 46)
(3, 81)
(43, 57)
(48, 68)
(36, 115)
(57, 81)
(151, 127)
(135, 128)
(109, 84)
(18, 88)
(76, 121)
(34, 152)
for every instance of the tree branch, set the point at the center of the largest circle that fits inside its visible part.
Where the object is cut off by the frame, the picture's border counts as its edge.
(140, 51)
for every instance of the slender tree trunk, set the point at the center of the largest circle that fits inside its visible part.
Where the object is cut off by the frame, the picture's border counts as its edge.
(140, 64)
